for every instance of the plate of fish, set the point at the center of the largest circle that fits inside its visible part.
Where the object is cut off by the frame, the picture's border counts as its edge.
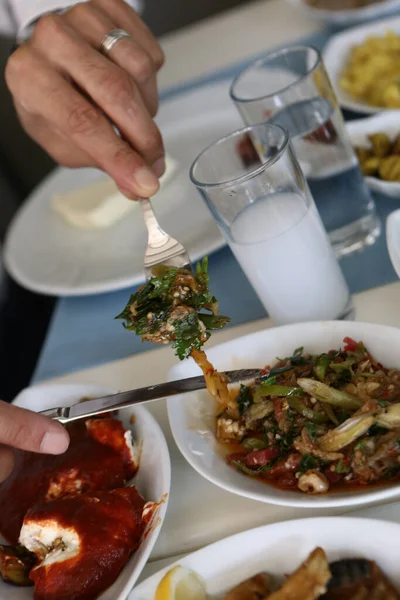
(327, 558)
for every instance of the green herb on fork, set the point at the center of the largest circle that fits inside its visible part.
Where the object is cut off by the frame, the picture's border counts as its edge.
(168, 309)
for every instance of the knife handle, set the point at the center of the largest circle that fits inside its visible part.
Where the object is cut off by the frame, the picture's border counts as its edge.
(60, 413)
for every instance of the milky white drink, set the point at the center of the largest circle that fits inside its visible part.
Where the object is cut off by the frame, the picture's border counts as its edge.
(283, 249)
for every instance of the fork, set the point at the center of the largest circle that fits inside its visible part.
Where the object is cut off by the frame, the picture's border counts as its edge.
(162, 249)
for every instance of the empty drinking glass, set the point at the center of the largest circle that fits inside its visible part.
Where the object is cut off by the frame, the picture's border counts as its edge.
(254, 187)
(291, 88)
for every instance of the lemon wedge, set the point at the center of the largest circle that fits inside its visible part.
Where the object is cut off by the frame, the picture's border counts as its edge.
(180, 584)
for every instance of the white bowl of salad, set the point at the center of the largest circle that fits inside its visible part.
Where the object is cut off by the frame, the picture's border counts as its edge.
(319, 428)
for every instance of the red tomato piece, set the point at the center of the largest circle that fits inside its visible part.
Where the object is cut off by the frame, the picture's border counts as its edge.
(236, 456)
(278, 409)
(286, 465)
(350, 344)
(260, 458)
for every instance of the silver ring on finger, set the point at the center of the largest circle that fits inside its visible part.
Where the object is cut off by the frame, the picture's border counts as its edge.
(111, 39)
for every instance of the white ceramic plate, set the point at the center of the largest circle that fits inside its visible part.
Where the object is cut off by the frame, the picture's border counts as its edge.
(46, 255)
(337, 51)
(152, 480)
(192, 416)
(386, 122)
(345, 18)
(393, 239)
(281, 547)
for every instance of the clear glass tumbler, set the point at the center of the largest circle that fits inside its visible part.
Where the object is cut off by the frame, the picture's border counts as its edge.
(253, 185)
(291, 88)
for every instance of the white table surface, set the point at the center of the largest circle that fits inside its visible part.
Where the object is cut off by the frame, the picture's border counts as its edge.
(230, 37)
(199, 512)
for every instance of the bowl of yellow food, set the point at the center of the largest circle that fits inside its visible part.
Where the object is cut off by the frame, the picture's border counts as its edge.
(363, 64)
(376, 141)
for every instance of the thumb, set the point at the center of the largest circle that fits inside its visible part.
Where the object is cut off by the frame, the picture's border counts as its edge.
(27, 430)
(6, 462)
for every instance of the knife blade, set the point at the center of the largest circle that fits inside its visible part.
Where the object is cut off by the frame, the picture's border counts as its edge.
(90, 408)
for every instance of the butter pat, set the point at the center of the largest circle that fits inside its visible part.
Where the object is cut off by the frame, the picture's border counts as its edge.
(95, 206)
(100, 204)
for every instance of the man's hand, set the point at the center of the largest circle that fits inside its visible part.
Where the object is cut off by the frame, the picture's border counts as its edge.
(26, 430)
(68, 95)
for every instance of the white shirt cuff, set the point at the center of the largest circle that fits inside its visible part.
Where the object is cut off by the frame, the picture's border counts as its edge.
(27, 12)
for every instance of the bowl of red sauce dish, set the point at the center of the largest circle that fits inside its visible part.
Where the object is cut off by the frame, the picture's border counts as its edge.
(82, 524)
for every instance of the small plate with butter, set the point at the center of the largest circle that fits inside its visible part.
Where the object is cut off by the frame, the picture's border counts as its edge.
(77, 235)
(99, 204)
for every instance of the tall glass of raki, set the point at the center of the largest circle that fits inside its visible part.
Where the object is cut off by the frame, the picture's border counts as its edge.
(253, 185)
(290, 88)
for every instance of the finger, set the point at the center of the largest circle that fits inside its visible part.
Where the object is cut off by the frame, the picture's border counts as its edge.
(42, 91)
(106, 83)
(94, 25)
(6, 462)
(58, 145)
(26, 430)
(126, 18)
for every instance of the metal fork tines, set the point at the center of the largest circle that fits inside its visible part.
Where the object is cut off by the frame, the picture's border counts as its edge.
(161, 247)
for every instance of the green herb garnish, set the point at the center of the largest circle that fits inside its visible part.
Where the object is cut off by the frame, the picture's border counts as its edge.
(244, 399)
(341, 468)
(298, 359)
(286, 441)
(279, 370)
(270, 380)
(376, 430)
(359, 445)
(342, 415)
(312, 430)
(308, 461)
(321, 365)
(170, 308)
(240, 467)
(253, 472)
